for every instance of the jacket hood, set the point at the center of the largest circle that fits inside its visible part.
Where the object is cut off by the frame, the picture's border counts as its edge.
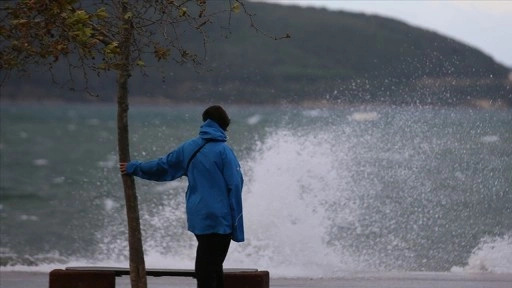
(211, 130)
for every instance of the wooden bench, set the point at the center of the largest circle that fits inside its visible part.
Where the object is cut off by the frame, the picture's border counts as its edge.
(105, 277)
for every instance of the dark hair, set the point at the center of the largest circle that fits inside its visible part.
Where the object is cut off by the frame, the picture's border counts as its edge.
(218, 114)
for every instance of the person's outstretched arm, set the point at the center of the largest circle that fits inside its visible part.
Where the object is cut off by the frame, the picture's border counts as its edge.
(166, 168)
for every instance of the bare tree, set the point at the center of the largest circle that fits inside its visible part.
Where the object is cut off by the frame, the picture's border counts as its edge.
(119, 36)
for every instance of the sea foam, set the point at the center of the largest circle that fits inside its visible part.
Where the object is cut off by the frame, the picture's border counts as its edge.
(493, 254)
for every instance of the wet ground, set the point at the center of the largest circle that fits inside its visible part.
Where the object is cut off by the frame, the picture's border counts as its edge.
(13, 279)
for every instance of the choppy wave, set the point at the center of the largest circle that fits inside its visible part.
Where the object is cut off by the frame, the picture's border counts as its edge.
(493, 254)
(327, 193)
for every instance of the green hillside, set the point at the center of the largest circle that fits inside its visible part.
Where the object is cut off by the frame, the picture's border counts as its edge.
(331, 56)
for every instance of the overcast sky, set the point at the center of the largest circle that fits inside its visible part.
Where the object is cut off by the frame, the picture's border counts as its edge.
(485, 25)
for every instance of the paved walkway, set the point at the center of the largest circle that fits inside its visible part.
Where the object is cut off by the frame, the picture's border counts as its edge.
(373, 280)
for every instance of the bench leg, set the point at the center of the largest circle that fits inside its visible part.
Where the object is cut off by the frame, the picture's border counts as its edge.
(82, 279)
(258, 279)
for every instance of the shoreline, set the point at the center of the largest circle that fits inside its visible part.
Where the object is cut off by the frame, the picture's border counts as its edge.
(477, 104)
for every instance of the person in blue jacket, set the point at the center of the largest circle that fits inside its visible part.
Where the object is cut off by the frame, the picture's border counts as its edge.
(214, 193)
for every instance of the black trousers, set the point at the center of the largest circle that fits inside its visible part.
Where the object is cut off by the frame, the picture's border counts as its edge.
(211, 253)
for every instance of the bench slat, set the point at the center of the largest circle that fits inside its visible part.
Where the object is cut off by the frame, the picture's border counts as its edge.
(154, 272)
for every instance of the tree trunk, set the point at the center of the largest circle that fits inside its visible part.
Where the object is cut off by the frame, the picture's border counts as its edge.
(137, 264)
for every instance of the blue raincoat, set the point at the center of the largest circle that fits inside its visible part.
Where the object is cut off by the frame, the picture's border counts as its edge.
(215, 181)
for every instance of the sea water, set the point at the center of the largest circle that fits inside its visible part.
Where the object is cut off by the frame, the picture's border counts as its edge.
(327, 191)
